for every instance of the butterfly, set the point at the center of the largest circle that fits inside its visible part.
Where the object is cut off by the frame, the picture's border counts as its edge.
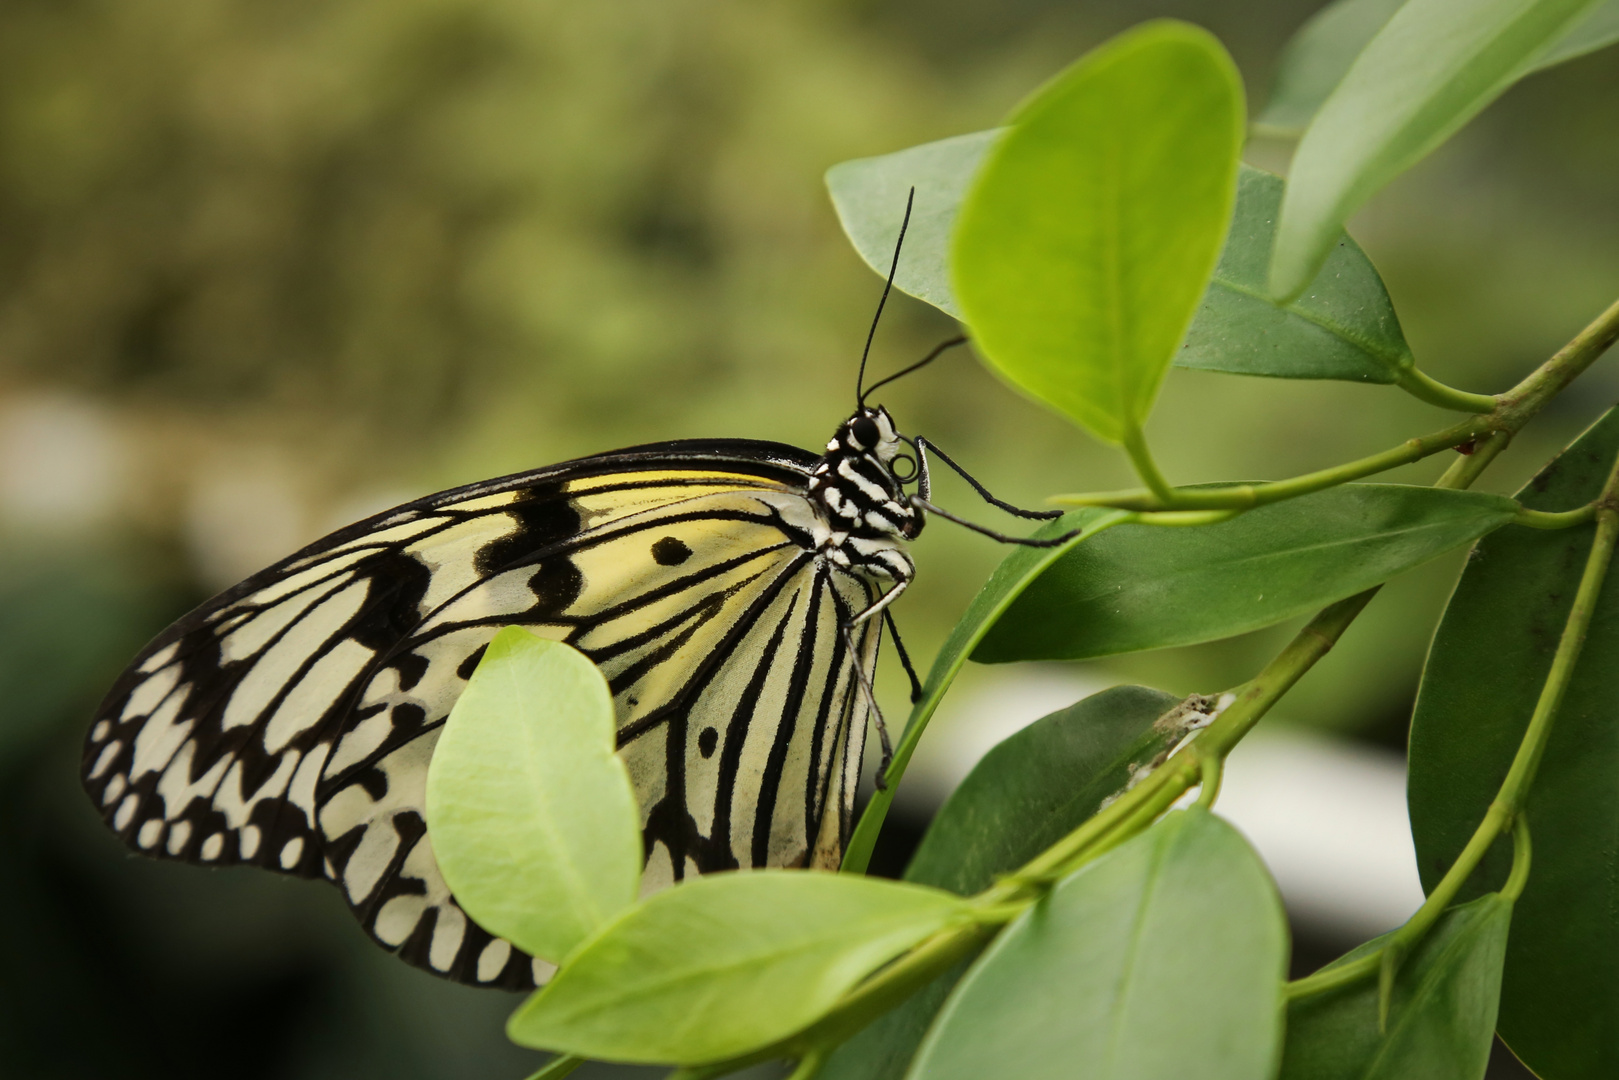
(733, 593)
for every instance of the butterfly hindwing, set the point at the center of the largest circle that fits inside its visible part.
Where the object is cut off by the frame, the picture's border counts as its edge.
(289, 723)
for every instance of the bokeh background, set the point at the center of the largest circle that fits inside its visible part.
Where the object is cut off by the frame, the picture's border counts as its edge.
(269, 267)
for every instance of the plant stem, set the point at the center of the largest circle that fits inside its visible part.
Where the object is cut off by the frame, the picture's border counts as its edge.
(1469, 467)
(1515, 788)
(1138, 807)
(1211, 769)
(1425, 388)
(1245, 496)
(558, 1067)
(1490, 433)
(1181, 518)
(1509, 800)
(1540, 519)
(1135, 444)
(809, 1065)
(1521, 858)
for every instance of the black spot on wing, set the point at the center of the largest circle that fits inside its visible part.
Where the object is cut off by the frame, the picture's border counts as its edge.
(707, 740)
(470, 664)
(557, 583)
(411, 668)
(544, 517)
(670, 551)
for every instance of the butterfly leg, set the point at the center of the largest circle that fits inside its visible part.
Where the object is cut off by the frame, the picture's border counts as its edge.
(1026, 541)
(904, 657)
(922, 448)
(880, 607)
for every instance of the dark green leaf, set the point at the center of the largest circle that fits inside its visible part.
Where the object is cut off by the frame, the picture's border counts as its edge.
(1010, 578)
(1028, 792)
(533, 818)
(1428, 71)
(1147, 587)
(1039, 784)
(726, 964)
(1317, 57)
(1484, 673)
(1441, 1014)
(1162, 959)
(1344, 327)
(1091, 230)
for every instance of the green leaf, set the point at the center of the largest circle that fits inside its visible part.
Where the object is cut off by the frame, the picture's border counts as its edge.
(1148, 587)
(1091, 230)
(1431, 68)
(1317, 57)
(533, 819)
(1596, 31)
(1041, 783)
(1015, 573)
(1029, 791)
(726, 964)
(869, 195)
(1162, 959)
(1344, 327)
(1484, 673)
(1441, 1018)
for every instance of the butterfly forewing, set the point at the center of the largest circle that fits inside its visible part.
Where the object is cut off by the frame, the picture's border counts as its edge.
(289, 722)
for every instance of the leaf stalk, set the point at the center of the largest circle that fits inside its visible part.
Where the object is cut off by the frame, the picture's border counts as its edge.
(1424, 387)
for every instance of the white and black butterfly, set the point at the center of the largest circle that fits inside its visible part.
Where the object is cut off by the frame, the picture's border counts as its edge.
(732, 592)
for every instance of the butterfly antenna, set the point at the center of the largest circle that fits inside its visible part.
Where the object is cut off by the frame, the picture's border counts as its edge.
(860, 395)
(938, 350)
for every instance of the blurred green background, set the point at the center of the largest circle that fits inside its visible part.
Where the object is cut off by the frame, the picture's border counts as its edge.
(268, 267)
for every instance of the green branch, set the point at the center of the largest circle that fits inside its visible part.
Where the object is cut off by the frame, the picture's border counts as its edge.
(1247, 496)
(1506, 809)
(1488, 433)
(1139, 806)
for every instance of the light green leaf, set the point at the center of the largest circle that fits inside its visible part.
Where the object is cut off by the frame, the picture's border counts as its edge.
(726, 964)
(1317, 57)
(1161, 960)
(1147, 587)
(532, 817)
(1315, 60)
(1441, 1018)
(1015, 573)
(1344, 327)
(1090, 233)
(869, 195)
(1028, 792)
(1431, 68)
(1596, 31)
(1489, 659)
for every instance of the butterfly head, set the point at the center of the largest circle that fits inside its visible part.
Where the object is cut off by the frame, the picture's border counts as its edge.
(859, 484)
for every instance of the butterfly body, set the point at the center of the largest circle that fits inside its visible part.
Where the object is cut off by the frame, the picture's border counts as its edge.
(726, 588)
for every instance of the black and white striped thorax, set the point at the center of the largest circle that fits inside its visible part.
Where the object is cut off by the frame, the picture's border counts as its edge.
(867, 516)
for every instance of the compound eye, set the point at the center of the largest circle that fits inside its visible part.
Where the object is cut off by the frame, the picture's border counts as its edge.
(903, 467)
(864, 429)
